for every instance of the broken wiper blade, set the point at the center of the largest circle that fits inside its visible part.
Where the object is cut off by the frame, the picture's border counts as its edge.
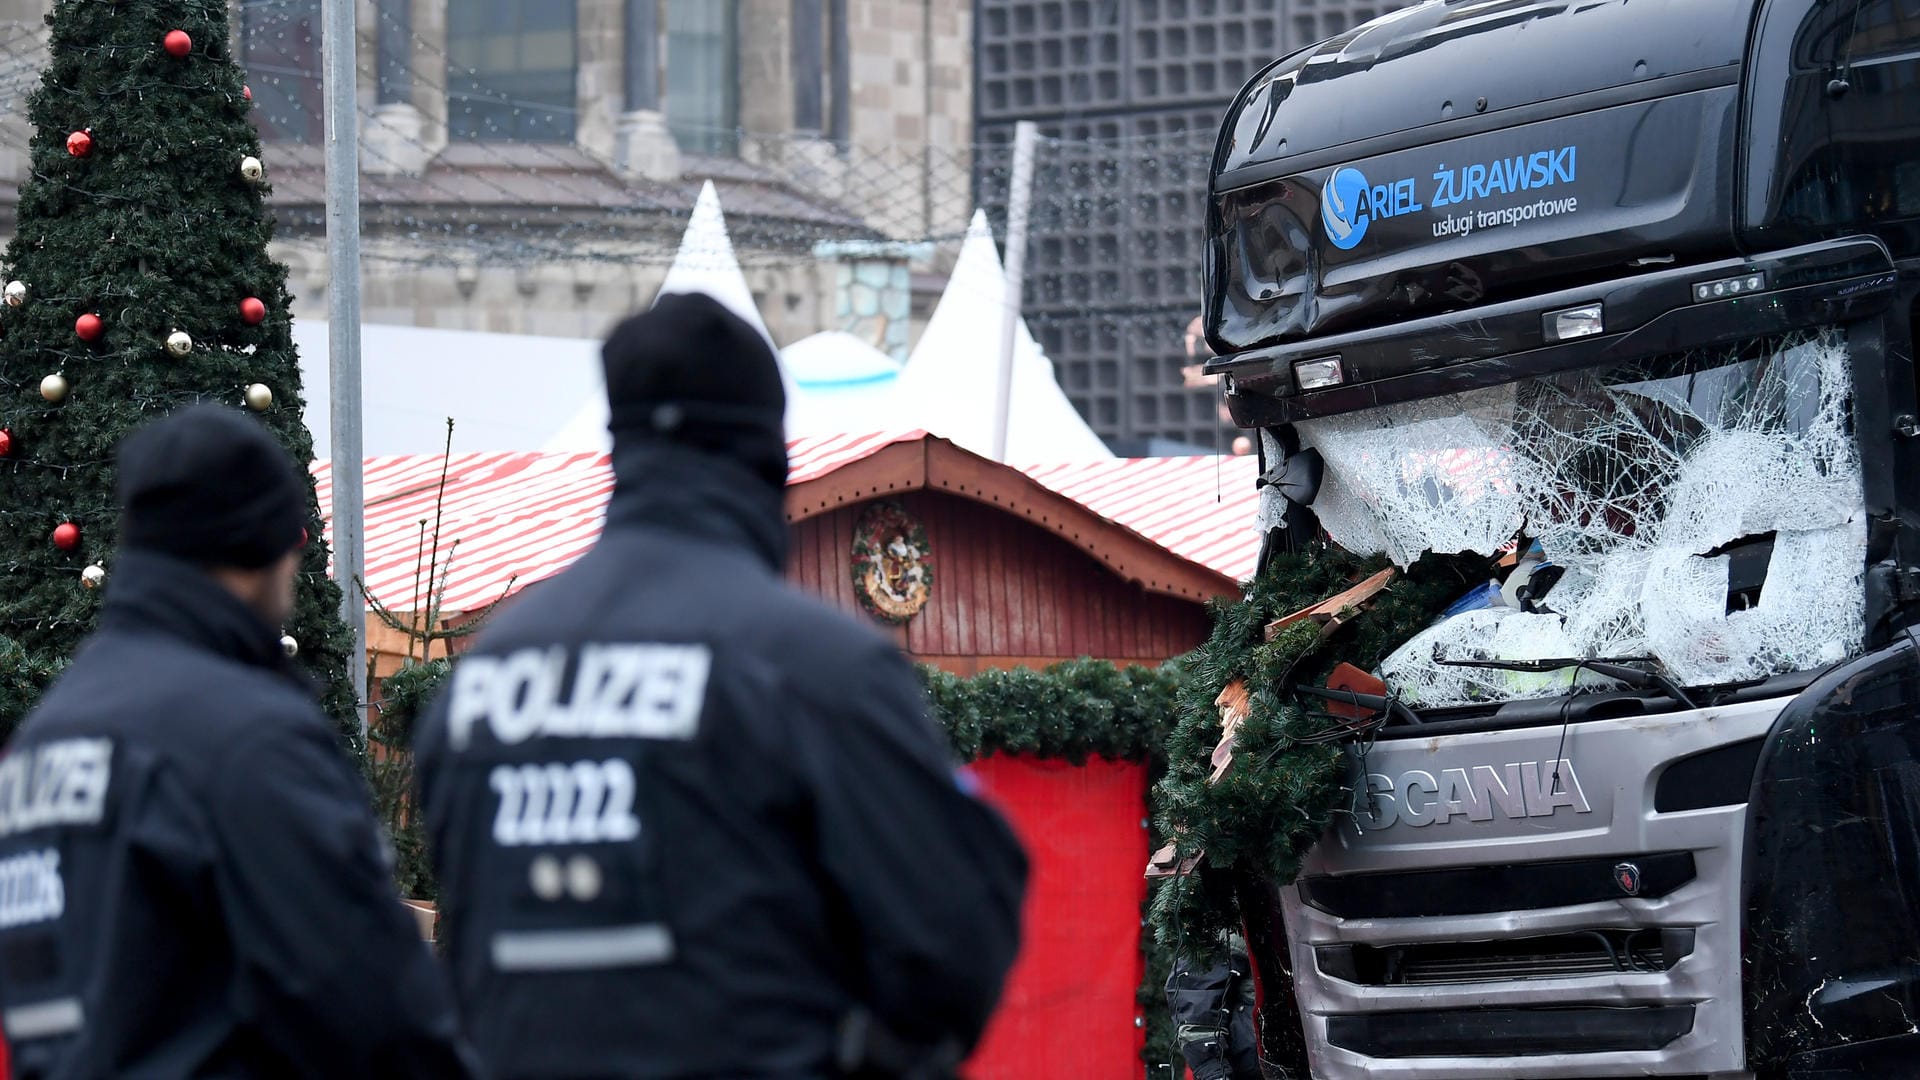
(1614, 668)
(1554, 664)
(1389, 707)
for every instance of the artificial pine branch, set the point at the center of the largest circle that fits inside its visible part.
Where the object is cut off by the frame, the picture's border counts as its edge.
(1287, 780)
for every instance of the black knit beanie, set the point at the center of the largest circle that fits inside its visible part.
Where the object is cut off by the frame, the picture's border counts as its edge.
(690, 372)
(211, 486)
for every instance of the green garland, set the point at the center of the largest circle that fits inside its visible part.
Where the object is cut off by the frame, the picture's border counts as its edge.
(1073, 710)
(1286, 782)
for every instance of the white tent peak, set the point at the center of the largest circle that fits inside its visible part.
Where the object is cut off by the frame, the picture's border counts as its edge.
(705, 262)
(950, 380)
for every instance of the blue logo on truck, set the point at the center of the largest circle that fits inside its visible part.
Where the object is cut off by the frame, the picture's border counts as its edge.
(1343, 207)
(1348, 203)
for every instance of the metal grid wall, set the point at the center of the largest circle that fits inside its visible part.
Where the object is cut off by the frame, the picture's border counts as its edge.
(1128, 96)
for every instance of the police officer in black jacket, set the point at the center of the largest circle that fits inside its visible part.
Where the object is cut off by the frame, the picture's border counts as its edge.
(191, 883)
(689, 822)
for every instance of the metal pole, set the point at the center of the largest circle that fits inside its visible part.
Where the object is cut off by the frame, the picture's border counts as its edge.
(343, 327)
(1019, 198)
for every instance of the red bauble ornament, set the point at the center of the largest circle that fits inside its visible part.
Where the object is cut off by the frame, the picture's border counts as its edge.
(247, 92)
(304, 537)
(89, 327)
(79, 144)
(252, 311)
(177, 43)
(67, 536)
(6, 443)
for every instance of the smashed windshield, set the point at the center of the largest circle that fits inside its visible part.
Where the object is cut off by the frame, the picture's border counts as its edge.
(1702, 509)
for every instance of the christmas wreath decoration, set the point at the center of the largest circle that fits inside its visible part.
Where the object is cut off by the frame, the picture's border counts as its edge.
(1256, 769)
(892, 562)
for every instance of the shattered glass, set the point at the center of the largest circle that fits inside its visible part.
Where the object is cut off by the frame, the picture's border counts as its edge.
(1632, 481)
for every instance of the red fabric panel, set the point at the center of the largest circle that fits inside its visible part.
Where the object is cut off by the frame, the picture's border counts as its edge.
(1069, 1006)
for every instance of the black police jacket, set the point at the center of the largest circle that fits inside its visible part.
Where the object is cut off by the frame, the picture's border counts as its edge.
(688, 821)
(191, 883)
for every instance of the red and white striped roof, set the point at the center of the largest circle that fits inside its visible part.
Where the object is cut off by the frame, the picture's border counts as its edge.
(815, 457)
(1200, 508)
(511, 518)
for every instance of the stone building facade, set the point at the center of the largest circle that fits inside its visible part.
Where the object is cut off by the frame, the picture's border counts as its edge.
(528, 165)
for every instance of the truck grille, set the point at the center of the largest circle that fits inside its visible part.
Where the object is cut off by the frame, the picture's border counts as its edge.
(1589, 952)
(1479, 889)
(1495, 1032)
(1605, 943)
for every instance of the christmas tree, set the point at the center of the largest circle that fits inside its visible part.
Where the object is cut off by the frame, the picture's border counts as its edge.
(137, 282)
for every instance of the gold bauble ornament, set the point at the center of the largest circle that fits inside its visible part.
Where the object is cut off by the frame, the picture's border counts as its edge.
(54, 388)
(259, 398)
(16, 293)
(251, 170)
(93, 576)
(179, 344)
(289, 646)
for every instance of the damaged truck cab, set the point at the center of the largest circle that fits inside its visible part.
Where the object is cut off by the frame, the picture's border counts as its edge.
(1633, 283)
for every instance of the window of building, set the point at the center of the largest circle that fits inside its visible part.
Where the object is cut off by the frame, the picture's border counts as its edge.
(510, 69)
(840, 61)
(393, 52)
(703, 75)
(280, 41)
(809, 65)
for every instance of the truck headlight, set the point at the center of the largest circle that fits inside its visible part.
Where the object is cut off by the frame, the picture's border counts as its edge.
(1722, 288)
(1575, 322)
(1319, 374)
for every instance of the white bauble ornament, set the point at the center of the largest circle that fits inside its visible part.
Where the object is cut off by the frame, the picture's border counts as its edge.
(179, 344)
(54, 388)
(259, 398)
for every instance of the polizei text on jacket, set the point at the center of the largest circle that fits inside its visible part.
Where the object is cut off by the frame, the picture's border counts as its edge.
(607, 691)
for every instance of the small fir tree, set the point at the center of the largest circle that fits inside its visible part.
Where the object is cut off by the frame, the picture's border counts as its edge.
(138, 281)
